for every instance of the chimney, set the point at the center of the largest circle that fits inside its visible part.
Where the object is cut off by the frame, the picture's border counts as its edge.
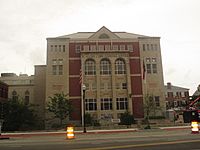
(169, 85)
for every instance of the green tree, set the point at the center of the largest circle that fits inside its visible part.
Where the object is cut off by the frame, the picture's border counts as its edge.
(17, 115)
(60, 106)
(149, 108)
(127, 119)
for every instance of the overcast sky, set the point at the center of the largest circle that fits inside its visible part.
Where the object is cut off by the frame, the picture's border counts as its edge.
(25, 25)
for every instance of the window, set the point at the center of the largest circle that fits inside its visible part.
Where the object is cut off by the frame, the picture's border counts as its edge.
(86, 48)
(101, 47)
(154, 66)
(170, 94)
(14, 95)
(115, 47)
(63, 48)
(60, 69)
(55, 48)
(93, 47)
(120, 67)
(148, 60)
(122, 104)
(122, 47)
(154, 60)
(157, 101)
(155, 47)
(107, 47)
(90, 104)
(148, 68)
(148, 47)
(124, 86)
(144, 47)
(78, 48)
(51, 48)
(54, 69)
(151, 46)
(106, 104)
(130, 47)
(59, 48)
(90, 68)
(105, 67)
(26, 99)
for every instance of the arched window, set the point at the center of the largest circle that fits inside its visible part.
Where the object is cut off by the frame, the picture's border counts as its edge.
(14, 95)
(90, 68)
(27, 97)
(105, 67)
(120, 67)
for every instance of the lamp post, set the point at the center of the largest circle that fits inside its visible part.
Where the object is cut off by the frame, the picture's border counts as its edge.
(84, 88)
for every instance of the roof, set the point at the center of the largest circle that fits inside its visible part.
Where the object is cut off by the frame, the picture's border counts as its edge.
(176, 88)
(87, 35)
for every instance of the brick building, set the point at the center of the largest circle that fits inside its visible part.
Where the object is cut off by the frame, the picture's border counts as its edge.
(111, 66)
(176, 97)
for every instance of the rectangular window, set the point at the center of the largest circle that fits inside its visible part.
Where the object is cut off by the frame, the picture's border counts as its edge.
(115, 47)
(78, 48)
(170, 94)
(63, 48)
(151, 46)
(124, 86)
(144, 47)
(130, 47)
(148, 68)
(93, 47)
(60, 69)
(59, 48)
(86, 48)
(155, 47)
(51, 48)
(122, 47)
(106, 104)
(56, 48)
(154, 66)
(107, 47)
(148, 47)
(54, 69)
(101, 47)
(122, 104)
(90, 104)
(157, 101)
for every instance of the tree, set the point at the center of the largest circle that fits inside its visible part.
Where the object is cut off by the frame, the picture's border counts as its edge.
(127, 119)
(60, 106)
(17, 115)
(149, 108)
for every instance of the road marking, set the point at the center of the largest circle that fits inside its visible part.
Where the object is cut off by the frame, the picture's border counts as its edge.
(140, 145)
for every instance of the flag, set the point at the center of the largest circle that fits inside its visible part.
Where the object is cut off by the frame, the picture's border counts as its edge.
(144, 72)
(81, 77)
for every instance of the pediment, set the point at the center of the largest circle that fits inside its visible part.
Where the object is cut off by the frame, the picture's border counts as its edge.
(104, 33)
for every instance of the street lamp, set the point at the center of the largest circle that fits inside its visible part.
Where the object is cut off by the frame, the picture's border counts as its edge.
(84, 88)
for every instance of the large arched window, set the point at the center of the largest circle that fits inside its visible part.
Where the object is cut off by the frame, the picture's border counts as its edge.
(105, 67)
(90, 68)
(120, 67)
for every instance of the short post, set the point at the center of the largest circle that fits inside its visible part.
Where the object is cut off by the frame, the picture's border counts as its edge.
(194, 127)
(70, 132)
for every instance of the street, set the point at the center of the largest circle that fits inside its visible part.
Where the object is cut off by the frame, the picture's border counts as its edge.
(140, 140)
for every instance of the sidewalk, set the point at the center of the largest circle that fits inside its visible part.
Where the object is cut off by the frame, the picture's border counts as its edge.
(54, 133)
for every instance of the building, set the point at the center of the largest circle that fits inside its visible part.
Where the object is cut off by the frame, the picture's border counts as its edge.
(21, 86)
(118, 69)
(176, 97)
(111, 66)
(3, 92)
(197, 92)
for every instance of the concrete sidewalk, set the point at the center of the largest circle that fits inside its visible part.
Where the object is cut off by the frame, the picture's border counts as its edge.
(54, 133)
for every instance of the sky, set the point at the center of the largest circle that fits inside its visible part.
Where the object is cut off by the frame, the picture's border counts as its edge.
(25, 25)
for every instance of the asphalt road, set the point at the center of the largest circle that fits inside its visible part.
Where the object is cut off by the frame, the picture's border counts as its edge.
(140, 140)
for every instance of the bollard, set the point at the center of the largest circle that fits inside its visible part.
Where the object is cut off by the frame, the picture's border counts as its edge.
(70, 132)
(194, 127)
